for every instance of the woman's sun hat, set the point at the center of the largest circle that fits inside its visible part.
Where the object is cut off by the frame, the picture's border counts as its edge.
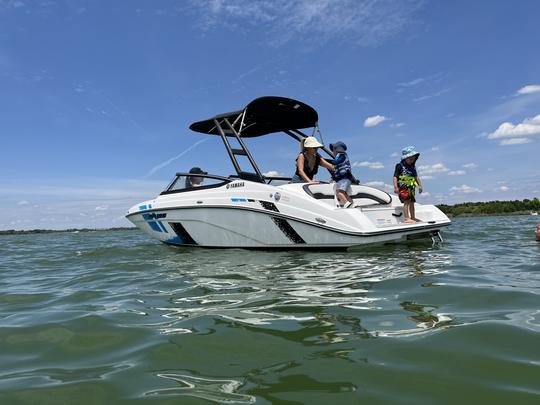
(312, 142)
(408, 152)
(338, 147)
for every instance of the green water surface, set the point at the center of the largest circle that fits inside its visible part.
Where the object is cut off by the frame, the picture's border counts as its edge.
(116, 317)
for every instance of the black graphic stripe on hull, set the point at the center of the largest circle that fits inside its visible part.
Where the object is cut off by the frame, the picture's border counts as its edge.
(288, 230)
(270, 206)
(181, 232)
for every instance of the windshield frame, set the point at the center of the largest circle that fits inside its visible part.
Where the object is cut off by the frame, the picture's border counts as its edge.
(224, 180)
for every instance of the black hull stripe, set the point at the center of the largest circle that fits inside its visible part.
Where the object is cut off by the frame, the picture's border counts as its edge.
(270, 206)
(184, 235)
(288, 230)
(287, 217)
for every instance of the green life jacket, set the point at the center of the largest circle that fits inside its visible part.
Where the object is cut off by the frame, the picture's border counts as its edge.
(408, 177)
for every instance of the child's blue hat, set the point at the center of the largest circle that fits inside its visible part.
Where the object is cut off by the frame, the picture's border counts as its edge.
(408, 152)
(338, 147)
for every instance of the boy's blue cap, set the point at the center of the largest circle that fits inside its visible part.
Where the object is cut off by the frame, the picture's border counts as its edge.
(338, 147)
(408, 152)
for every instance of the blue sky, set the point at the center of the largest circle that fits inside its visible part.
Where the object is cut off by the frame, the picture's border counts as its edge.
(97, 96)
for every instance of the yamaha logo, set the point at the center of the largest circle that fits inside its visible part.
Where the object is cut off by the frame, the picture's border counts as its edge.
(235, 185)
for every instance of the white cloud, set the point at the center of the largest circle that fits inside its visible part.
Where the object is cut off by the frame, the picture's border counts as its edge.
(504, 189)
(413, 82)
(23, 202)
(430, 169)
(364, 22)
(10, 4)
(374, 183)
(59, 206)
(426, 194)
(515, 141)
(380, 185)
(371, 165)
(529, 126)
(272, 173)
(374, 120)
(395, 154)
(464, 189)
(397, 125)
(435, 148)
(428, 96)
(470, 166)
(457, 172)
(530, 89)
(437, 77)
(428, 177)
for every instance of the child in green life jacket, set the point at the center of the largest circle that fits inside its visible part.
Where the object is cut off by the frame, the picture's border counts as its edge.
(405, 182)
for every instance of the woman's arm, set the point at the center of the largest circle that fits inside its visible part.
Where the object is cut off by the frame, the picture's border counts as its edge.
(300, 167)
(326, 165)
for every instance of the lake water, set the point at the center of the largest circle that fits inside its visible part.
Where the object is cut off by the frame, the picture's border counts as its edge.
(116, 317)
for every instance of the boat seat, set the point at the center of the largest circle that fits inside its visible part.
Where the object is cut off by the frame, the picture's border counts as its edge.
(326, 192)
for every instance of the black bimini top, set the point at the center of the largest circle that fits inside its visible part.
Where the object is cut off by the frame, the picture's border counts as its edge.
(262, 116)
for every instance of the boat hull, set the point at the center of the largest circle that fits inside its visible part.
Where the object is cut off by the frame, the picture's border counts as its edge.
(236, 227)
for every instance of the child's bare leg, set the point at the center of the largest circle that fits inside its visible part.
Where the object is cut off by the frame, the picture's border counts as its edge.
(407, 211)
(341, 196)
(411, 210)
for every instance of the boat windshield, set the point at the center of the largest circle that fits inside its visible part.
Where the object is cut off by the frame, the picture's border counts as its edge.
(188, 182)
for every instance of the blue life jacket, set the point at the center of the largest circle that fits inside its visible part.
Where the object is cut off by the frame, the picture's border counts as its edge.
(343, 167)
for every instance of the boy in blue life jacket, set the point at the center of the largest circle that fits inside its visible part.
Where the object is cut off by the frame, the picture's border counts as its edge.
(405, 182)
(342, 174)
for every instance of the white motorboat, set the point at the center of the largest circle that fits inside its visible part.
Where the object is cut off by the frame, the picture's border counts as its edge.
(249, 210)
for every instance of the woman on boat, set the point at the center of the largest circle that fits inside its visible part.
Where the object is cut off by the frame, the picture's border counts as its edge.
(308, 162)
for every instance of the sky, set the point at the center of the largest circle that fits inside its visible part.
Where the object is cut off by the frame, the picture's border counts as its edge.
(96, 97)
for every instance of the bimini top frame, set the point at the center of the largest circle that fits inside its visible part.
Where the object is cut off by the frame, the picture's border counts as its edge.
(262, 116)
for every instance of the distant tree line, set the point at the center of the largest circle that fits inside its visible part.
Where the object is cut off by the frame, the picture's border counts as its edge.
(22, 232)
(492, 207)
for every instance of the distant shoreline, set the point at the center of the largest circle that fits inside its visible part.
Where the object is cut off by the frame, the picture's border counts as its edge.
(500, 214)
(491, 208)
(33, 231)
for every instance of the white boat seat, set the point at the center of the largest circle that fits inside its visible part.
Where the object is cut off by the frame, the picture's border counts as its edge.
(326, 192)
